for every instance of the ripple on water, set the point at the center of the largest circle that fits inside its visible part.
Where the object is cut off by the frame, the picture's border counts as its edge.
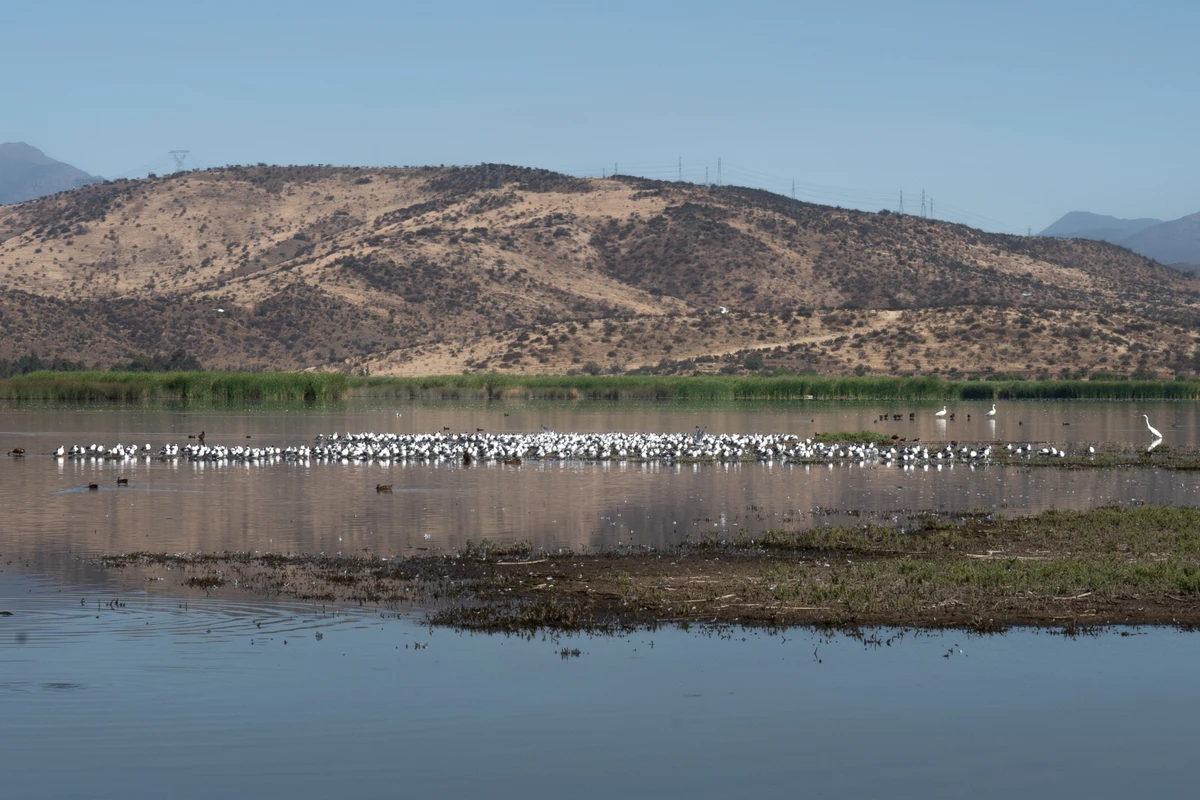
(41, 621)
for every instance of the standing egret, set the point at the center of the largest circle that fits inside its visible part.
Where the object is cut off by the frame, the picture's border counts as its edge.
(941, 413)
(1153, 430)
(991, 413)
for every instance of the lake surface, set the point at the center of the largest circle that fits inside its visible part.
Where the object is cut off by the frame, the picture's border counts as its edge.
(52, 519)
(221, 699)
(110, 684)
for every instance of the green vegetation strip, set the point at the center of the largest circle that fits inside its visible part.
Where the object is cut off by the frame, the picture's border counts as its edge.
(141, 387)
(722, 387)
(242, 387)
(1100, 567)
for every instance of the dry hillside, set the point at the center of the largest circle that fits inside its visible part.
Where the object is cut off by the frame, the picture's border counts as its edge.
(497, 268)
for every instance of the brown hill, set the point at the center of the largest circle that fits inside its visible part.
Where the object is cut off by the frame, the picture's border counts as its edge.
(499, 268)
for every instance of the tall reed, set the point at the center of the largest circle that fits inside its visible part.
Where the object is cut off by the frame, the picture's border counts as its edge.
(310, 387)
(140, 387)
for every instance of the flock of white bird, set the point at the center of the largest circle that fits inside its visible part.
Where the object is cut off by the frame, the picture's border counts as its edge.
(513, 448)
(548, 445)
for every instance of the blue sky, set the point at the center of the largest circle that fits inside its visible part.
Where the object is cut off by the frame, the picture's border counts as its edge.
(1007, 114)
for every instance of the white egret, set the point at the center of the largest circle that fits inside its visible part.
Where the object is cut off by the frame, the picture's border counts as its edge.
(1153, 430)
(991, 413)
(941, 413)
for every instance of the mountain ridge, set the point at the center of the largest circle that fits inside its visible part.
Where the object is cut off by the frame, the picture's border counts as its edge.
(26, 173)
(512, 269)
(1172, 242)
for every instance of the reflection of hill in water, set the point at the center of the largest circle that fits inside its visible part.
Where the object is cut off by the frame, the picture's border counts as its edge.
(334, 509)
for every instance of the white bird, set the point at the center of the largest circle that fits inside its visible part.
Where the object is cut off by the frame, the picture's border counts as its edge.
(724, 310)
(60, 452)
(991, 413)
(941, 413)
(1153, 430)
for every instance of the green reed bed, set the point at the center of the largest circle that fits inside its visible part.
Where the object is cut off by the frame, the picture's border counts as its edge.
(710, 388)
(647, 387)
(141, 387)
(233, 387)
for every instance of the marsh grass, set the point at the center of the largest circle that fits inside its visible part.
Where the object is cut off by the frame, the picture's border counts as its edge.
(1158, 531)
(1111, 553)
(116, 387)
(1104, 566)
(727, 387)
(141, 387)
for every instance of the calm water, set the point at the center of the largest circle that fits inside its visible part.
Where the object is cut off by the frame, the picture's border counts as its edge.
(154, 700)
(175, 694)
(51, 517)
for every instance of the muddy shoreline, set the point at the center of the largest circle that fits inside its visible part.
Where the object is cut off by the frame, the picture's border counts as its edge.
(1107, 566)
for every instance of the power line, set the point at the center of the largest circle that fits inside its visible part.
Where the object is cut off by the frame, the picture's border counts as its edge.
(825, 194)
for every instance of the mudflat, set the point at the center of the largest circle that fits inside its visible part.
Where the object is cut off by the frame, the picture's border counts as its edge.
(1106, 566)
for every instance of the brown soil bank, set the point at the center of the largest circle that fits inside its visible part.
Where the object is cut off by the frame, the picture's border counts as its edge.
(1101, 567)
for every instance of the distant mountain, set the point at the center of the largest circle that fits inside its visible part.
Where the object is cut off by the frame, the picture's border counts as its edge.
(27, 173)
(1175, 243)
(1086, 225)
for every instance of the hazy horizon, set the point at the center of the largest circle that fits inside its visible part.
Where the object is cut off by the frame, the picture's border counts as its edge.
(1007, 117)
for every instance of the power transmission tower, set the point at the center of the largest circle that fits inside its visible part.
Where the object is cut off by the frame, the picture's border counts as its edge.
(922, 204)
(615, 168)
(718, 170)
(931, 205)
(681, 169)
(706, 175)
(793, 188)
(1029, 230)
(901, 201)
(180, 156)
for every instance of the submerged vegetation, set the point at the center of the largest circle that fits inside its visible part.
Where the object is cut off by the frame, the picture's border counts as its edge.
(1109, 565)
(243, 387)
